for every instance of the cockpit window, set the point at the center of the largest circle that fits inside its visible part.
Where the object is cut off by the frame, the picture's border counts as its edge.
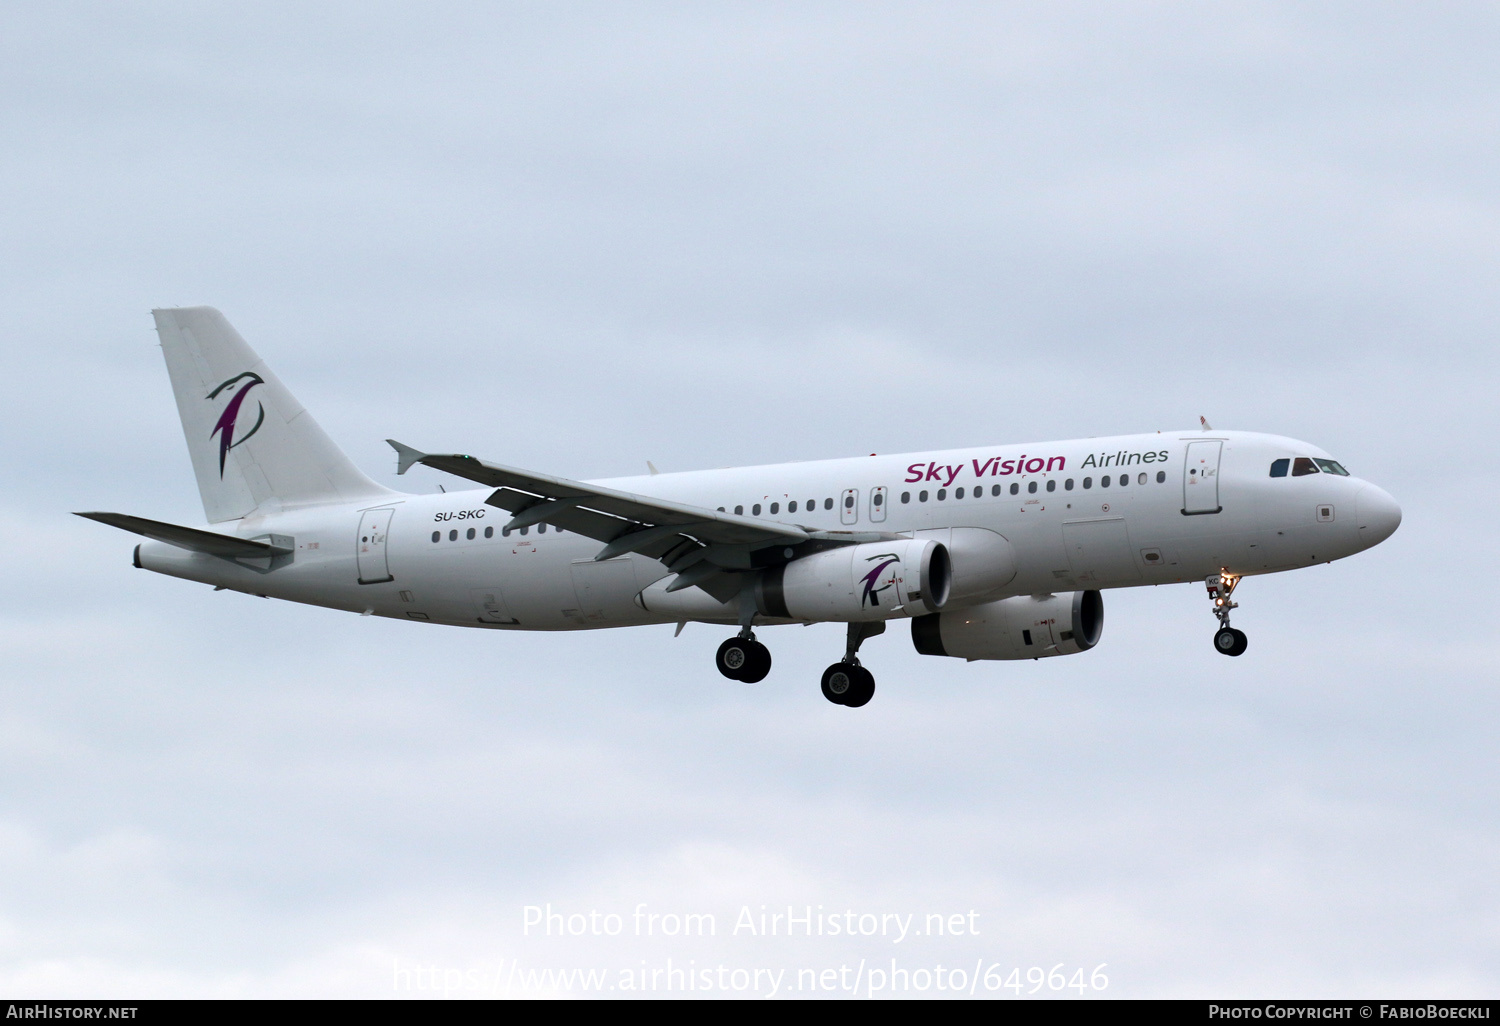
(1278, 467)
(1330, 467)
(1303, 466)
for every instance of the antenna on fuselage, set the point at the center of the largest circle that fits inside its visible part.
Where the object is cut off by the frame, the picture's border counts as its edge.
(1204, 421)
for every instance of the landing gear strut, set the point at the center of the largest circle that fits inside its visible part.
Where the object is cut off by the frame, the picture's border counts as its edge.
(846, 682)
(1227, 640)
(742, 658)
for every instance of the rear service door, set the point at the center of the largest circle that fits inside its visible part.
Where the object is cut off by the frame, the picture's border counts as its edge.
(374, 529)
(1200, 478)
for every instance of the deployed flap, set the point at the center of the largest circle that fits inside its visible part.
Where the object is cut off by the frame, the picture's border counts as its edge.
(190, 537)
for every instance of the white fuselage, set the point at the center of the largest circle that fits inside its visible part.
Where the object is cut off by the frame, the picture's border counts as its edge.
(445, 558)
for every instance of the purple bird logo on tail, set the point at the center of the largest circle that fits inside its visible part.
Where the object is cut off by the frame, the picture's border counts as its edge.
(871, 596)
(229, 418)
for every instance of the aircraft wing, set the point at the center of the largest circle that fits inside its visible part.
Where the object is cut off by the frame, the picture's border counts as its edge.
(680, 535)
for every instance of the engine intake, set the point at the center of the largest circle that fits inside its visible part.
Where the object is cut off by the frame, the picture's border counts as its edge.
(1021, 627)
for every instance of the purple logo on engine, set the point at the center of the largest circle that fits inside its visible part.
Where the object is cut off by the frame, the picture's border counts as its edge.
(871, 597)
(229, 419)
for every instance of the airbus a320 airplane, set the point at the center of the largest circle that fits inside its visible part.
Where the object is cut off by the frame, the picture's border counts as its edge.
(997, 552)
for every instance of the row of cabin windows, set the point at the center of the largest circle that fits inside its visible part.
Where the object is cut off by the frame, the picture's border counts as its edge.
(1302, 466)
(958, 493)
(942, 494)
(489, 532)
(1122, 480)
(791, 507)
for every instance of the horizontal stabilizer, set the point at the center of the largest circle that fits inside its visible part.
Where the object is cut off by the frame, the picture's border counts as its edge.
(190, 537)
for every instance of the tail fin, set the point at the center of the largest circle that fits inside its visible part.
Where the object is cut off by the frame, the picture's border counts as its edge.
(253, 445)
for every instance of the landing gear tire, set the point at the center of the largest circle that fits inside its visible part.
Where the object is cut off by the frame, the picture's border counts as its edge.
(743, 659)
(1231, 642)
(838, 681)
(759, 664)
(864, 688)
(848, 684)
(732, 658)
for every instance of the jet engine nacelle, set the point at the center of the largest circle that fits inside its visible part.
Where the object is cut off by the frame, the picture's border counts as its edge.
(873, 581)
(1022, 627)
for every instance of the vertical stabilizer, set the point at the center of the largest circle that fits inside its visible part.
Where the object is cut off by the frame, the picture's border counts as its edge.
(252, 444)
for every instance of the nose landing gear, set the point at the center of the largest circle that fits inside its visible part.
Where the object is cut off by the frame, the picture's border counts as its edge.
(1227, 640)
(846, 682)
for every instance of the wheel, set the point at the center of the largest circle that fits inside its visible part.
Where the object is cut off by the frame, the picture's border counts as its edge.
(863, 689)
(838, 681)
(1231, 642)
(757, 665)
(733, 656)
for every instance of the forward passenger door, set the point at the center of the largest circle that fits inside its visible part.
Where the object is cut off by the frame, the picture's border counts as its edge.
(1200, 478)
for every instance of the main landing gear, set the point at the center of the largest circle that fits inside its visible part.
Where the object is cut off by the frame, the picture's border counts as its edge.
(846, 682)
(744, 659)
(1227, 640)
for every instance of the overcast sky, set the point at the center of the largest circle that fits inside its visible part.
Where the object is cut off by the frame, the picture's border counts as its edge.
(578, 237)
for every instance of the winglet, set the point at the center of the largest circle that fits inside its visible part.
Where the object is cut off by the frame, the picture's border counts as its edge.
(405, 456)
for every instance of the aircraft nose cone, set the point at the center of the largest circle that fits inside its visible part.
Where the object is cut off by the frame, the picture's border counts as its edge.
(1376, 515)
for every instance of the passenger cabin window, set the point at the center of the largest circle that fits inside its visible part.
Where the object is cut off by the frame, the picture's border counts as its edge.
(453, 536)
(905, 497)
(1279, 467)
(1104, 481)
(1052, 485)
(922, 495)
(470, 534)
(1330, 467)
(1031, 487)
(436, 535)
(958, 493)
(1015, 489)
(739, 511)
(775, 508)
(1068, 485)
(1088, 482)
(791, 507)
(489, 532)
(828, 504)
(995, 490)
(755, 510)
(1303, 466)
(942, 494)
(1161, 477)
